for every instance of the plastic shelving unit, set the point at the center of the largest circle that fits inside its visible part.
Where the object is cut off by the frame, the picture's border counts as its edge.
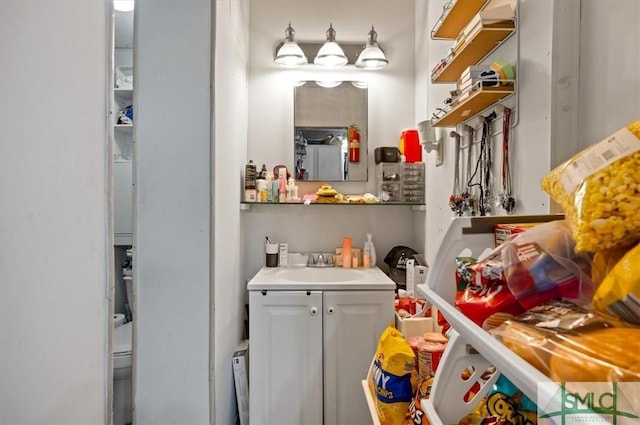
(469, 344)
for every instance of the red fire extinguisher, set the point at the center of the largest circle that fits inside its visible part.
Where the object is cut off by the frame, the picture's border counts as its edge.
(354, 143)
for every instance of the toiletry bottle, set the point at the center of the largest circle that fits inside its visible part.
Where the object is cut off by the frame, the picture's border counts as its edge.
(372, 249)
(250, 194)
(346, 252)
(292, 190)
(366, 255)
(262, 190)
(282, 184)
(274, 191)
(263, 172)
(269, 182)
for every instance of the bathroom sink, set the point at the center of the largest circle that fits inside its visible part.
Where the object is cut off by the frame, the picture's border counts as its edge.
(299, 277)
(329, 274)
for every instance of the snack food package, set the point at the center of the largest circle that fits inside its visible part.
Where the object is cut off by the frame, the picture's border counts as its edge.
(598, 191)
(530, 268)
(390, 382)
(603, 262)
(619, 293)
(505, 404)
(415, 415)
(572, 343)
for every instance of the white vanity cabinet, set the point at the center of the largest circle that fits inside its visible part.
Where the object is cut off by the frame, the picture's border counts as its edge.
(311, 348)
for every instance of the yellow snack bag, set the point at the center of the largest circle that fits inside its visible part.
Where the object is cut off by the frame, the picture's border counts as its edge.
(599, 191)
(603, 262)
(390, 381)
(619, 292)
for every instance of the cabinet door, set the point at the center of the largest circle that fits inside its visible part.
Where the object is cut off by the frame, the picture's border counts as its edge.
(285, 356)
(123, 201)
(353, 322)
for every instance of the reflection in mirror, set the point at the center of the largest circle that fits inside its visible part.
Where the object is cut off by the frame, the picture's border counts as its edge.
(324, 118)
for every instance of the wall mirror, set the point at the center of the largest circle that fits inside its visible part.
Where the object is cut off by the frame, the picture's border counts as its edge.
(323, 113)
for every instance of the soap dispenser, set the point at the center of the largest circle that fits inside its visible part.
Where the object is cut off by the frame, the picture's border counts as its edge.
(372, 249)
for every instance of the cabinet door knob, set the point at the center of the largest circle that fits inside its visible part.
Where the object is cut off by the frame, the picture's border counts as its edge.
(330, 310)
(313, 311)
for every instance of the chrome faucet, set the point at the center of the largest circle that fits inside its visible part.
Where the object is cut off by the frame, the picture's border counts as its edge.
(319, 260)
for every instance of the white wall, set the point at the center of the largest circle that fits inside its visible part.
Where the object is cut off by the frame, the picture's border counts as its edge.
(172, 231)
(609, 61)
(230, 127)
(53, 212)
(270, 138)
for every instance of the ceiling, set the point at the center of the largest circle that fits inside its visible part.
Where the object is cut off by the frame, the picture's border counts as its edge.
(123, 30)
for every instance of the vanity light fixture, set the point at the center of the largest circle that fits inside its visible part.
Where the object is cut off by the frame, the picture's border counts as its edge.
(290, 54)
(330, 54)
(372, 57)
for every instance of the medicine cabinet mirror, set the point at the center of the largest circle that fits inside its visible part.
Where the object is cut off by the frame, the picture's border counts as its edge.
(322, 116)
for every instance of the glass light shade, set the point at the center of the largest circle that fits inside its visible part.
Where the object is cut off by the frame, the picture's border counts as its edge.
(328, 84)
(372, 57)
(123, 5)
(330, 54)
(290, 54)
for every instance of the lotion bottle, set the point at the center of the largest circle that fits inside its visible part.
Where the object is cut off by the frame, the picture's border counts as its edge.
(366, 255)
(292, 190)
(372, 249)
(282, 185)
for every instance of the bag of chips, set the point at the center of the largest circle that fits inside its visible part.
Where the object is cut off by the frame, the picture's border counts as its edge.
(598, 191)
(530, 268)
(619, 293)
(504, 405)
(390, 382)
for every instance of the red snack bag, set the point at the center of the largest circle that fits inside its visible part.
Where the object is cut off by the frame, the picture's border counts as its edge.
(532, 267)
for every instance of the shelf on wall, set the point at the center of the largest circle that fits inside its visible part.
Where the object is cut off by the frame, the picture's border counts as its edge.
(455, 18)
(414, 206)
(472, 51)
(477, 101)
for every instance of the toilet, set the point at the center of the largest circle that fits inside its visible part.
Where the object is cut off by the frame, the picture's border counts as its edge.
(122, 362)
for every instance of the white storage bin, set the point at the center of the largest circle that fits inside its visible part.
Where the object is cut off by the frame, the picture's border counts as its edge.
(470, 236)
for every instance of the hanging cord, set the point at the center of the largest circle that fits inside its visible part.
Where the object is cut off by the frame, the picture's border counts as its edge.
(483, 165)
(476, 205)
(487, 163)
(507, 201)
(467, 201)
(455, 200)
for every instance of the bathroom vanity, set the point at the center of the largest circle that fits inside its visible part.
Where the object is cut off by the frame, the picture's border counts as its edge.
(313, 333)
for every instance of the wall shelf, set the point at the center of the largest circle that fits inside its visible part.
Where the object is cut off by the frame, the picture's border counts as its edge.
(455, 18)
(472, 51)
(414, 206)
(477, 101)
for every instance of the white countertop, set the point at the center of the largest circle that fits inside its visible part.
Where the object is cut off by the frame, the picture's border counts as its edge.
(311, 278)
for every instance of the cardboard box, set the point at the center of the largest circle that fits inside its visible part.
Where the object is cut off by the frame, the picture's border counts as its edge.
(503, 231)
(240, 361)
(414, 326)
